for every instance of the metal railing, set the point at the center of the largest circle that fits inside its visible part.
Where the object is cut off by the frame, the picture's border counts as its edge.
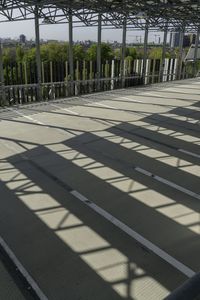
(190, 290)
(26, 93)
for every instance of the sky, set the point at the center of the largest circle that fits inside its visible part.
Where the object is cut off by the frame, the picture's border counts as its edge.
(60, 32)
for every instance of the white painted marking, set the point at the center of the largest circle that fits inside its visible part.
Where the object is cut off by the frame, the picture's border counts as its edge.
(100, 104)
(38, 122)
(23, 271)
(145, 172)
(26, 117)
(193, 107)
(65, 109)
(116, 108)
(136, 236)
(189, 153)
(182, 90)
(131, 100)
(151, 94)
(169, 183)
(105, 93)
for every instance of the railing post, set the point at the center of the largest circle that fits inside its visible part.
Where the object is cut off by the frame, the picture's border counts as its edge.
(43, 79)
(153, 71)
(196, 52)
(71, 58)
(112, 74)
(99, 53)
(51, 92)
(147, 79)
(25, 73)
(145, 51)
(180, 56)
(38, 55)
(170, 40)
(123, 53)
(163, 53)
(66, 79)
(84, 71)
(77, 78)
(106, 69)
(2, 83)
(84, 76)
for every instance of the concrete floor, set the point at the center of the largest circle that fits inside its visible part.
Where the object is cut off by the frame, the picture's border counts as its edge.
(8, 288)
(78, 174)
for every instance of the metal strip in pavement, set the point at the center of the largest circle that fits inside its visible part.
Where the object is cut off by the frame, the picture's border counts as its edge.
(24, 116)
(189, 153)
(167, 182)
(65, 109)
(22, 270)
(122, 226)
(158, 142)
(136, 236)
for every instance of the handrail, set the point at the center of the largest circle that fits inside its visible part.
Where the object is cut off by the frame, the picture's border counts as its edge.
(190, 290)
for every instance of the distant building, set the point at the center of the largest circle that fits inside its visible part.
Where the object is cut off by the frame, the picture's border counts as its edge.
(175, 39)
(188, 40)
(170, 39)
(192, 39)
(22, 39)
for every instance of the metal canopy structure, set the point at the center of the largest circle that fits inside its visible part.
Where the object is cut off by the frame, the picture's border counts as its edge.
(178, 14)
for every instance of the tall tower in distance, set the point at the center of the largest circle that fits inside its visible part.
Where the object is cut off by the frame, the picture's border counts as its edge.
(22, 39)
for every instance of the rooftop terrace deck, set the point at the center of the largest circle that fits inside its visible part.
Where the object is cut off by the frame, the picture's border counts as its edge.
(100, 193)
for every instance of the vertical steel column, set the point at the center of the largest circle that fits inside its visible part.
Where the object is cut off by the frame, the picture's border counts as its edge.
(38, 55)
(163, 53)
(2, 91)
(123, 53)
(145, 50)
(99, 52)
(196, 52)
(70, 53)
(180, 57)
(170, 40)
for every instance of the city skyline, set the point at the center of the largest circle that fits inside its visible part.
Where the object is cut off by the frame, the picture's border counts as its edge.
(60, 32)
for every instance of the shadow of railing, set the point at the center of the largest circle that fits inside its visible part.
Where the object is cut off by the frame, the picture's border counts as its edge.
(49, 224)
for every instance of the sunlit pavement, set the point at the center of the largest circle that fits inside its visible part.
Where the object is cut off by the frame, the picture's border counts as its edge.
(100, 193)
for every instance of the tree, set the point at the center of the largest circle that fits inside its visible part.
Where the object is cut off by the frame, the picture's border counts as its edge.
(117, 54)
(56, 52)
(106, 52)
(19, 54)
(45, 53)
(30, 55)
(91, 53)
(155, 53)
(49, 52)
(129, 58)
(133, 52)
(79, 53)
(9, 56)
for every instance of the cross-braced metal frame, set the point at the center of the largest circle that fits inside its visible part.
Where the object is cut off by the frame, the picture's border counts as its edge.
(178, 13)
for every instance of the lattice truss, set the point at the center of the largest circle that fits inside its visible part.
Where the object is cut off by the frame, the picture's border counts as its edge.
(157, 13)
